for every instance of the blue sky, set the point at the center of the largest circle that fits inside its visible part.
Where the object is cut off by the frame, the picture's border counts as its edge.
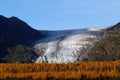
(63, 14)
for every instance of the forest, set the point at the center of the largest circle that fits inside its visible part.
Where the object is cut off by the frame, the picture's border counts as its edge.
(71, 71)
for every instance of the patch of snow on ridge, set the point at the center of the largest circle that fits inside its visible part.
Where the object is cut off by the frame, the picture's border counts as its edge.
(67, 45)
(94, 29)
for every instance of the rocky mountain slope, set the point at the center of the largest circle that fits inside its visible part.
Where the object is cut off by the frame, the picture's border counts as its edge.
(108, 48)
(67, 45)
(13, 34)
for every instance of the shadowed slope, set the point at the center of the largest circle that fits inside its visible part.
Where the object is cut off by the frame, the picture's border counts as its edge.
(14, 32)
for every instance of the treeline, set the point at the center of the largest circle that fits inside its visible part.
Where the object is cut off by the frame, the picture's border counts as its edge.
(71, 71)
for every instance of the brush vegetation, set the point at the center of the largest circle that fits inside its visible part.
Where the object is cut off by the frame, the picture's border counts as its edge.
(108, 48)
(71, 71)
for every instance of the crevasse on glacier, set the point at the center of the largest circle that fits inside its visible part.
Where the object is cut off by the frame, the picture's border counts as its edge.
(66, 45)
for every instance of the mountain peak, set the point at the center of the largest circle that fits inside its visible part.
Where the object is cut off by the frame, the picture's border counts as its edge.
(16, 30)
(14, 18)
(2, 18)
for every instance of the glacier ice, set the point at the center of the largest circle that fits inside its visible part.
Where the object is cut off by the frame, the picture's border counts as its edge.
(66, 45)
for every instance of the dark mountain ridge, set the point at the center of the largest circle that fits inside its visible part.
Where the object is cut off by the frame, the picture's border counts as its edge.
(14, 32)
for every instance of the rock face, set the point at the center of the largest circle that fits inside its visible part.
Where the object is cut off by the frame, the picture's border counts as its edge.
(67, 45)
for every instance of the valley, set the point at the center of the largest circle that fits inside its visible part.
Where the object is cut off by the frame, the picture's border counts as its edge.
(79, 54)
(66, 45)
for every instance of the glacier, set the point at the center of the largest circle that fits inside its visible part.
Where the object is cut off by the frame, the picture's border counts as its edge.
(65, 46)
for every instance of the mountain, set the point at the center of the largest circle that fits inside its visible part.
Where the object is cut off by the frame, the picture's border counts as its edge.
(67, 45)
(13, 33)
(108, 48)
(19, 43)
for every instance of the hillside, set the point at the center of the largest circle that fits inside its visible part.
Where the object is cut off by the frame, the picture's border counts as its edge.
(19, 43)
(15, 32)
(108, 48)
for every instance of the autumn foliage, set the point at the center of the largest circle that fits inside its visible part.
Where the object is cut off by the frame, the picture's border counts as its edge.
(71, 71)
